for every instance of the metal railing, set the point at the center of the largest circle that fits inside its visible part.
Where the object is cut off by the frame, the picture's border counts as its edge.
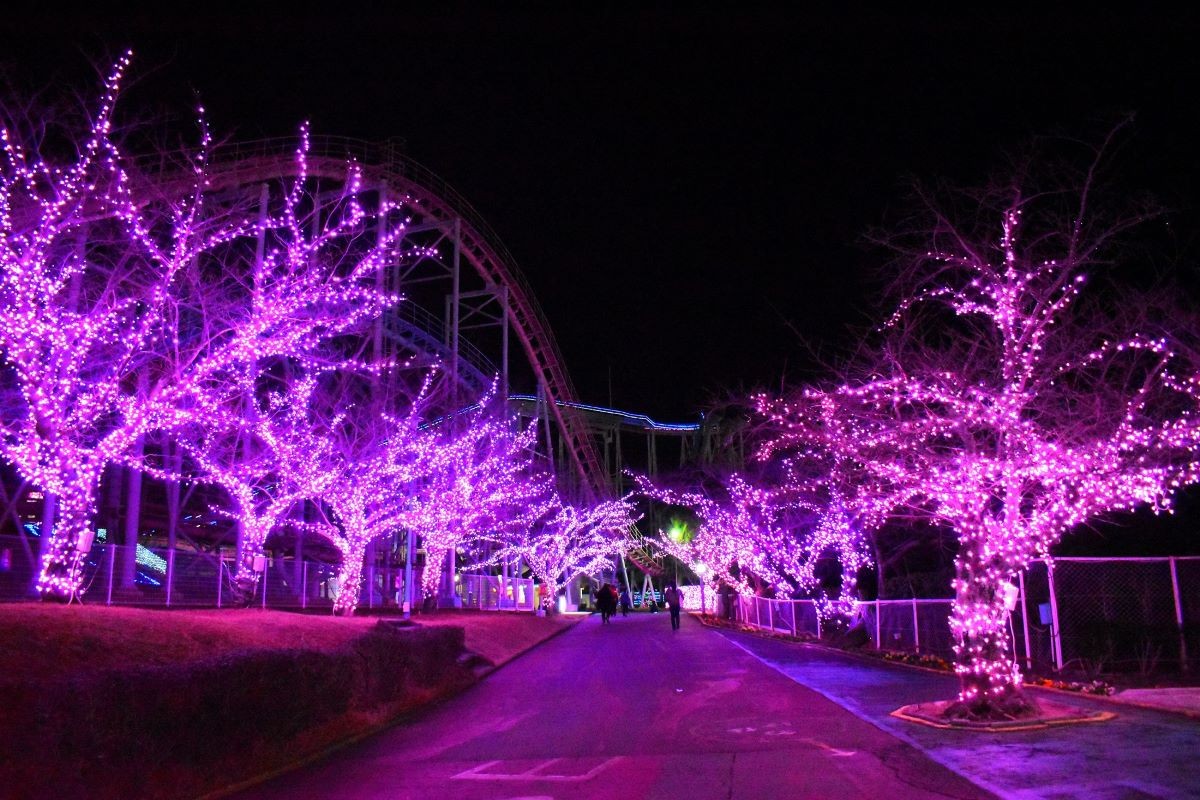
(426, 327)
(177, 578)
(1089, 614)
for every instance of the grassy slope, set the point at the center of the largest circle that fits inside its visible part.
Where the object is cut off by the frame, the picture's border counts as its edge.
(42, 641)
(45, 643)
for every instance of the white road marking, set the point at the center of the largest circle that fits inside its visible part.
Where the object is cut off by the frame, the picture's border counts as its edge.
(536, 773)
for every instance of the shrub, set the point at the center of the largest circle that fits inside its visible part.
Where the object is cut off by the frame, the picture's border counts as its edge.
(122, 733)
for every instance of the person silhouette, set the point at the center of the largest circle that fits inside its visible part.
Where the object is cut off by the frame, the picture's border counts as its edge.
(673, 600)
(606, 601)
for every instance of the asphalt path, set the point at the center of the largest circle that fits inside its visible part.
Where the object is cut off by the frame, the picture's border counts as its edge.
(630, 710)
(1142, 754)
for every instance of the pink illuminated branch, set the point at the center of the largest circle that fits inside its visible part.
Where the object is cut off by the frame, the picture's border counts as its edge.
(124, 301)
(1001, 405)
(570, 541)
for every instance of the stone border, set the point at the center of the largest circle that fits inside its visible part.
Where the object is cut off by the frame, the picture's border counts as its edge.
(1053, 715)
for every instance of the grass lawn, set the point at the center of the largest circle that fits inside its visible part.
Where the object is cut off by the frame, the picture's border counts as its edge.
(47, 649)
(41, 641)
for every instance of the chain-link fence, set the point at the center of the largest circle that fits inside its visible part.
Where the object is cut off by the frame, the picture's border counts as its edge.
(1130, 614)
(1088, 614)
(918, 625)
(174, 578)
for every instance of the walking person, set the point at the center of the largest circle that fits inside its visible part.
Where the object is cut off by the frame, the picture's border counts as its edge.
(624, 598)
(672, 598)
(606, 600)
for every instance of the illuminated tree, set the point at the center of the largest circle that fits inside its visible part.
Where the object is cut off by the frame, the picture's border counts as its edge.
(569, 541)
(1002, 404)
(268, 461)
(836, 535)
(728, 542)
(125, 297)
(482, 489)
(754, 538)
(380, 452)
(460, 479)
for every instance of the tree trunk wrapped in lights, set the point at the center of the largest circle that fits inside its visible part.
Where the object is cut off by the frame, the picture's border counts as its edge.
(1001, 403)
(125, 298)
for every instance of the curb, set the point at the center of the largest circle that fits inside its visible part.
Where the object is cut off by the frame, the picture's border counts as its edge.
(329, 750)
(908, 713)
(483, 673)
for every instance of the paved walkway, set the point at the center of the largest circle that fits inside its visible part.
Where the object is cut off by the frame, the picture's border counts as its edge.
(1185, 699)
(626, 711)
(1140, 754)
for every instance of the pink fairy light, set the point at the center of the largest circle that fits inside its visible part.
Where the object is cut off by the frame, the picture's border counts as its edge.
(1013, 433)
(460, 479)
(754, 538)
(568, 541)
(120, 310)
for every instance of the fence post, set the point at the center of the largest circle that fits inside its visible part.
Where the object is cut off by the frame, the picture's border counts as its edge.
(112, 557)
(757, 614)
(170, 573)
(1055, 630)
(916, 628)
(794, 633)
(1025, 620)
(817, 614)
(1183, 653)
(220, 577)
(266, 574)
(303, 584)
(878, 626)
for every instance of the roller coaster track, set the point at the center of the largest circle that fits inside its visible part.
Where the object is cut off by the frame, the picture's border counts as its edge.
(384, 166)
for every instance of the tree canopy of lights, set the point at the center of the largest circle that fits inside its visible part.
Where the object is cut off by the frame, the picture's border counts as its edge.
(483, 487)
(730, 539)
(1003, 402)
(125, 295)
(757, 539)
(268, 460)
(569, 541)
(379, 454)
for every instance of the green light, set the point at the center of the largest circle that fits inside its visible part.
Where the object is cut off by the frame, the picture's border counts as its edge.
(678, 531)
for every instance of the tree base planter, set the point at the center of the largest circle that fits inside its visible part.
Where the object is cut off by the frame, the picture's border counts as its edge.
(1047, 714)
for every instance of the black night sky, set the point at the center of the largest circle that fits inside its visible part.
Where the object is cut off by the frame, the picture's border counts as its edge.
(687, 190)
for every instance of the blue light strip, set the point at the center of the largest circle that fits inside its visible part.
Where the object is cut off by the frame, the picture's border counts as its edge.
(644, 420)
